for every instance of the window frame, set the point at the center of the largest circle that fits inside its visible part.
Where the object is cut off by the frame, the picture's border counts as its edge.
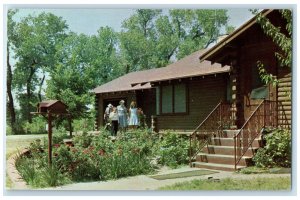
(173, 100)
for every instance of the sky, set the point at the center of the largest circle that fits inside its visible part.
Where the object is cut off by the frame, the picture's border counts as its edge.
(88, 21)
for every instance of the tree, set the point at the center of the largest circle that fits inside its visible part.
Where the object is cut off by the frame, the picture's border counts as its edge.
(150, 39)
(137, 40)
(105, 59)
(82, 63)
(282, 37)
(70, 79)
(198, 28)
(9, 76)
(36, 38)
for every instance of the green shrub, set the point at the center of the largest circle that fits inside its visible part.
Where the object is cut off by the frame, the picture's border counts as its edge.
(38, 126)
(26, 168)
(83, 124)
(83, 140)
(35, 170)
(8, 130)
(277, 151)
(59, 135)
(98, 157)
(173, 150)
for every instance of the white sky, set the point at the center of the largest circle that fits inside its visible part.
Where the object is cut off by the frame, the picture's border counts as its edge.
(88, 21)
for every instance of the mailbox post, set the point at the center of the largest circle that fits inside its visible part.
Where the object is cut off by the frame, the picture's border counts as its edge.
(49, 109)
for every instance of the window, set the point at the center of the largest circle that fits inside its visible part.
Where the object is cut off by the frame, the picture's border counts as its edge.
(180, 98)
(166, 99)
(173, 99)
(256, 81)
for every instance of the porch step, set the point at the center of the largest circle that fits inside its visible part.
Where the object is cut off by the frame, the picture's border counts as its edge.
(220, 141)
(227, 150)
(222, 159)
(215, 166)
(229, 133)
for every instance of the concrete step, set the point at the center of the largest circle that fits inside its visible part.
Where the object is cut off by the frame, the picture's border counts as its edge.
(215, 166)
(229, 133)
(219, 141)
(227, 150)
(222, 159)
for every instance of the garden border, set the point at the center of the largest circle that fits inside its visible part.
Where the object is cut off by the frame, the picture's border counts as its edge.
(17, 181)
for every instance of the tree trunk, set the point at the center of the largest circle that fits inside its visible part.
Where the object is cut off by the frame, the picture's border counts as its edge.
(10, 103)
(40, 88)
(28, 93)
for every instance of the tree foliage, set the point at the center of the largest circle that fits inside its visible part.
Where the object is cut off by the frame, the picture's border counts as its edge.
(150, 39)
(11, 114)
(53, 63)
(282, 38)
(34, 49)
(82, 63)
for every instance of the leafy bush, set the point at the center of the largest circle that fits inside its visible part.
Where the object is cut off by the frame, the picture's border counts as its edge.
(35, 170)
(277, 151)
(36, 127)
(173, 150)
(83, 140)
(99, 157)
(59, 135)
(86, 124)
(8, 130)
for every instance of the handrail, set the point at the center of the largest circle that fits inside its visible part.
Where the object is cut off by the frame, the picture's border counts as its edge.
(261, 122)
(212, 119)
(207, 117)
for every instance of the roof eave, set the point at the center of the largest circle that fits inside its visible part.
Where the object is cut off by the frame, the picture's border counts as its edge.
(182, 77)
(207, 55)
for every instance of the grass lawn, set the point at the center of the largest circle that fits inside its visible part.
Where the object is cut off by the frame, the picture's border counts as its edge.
(261, 184)
(18, 142)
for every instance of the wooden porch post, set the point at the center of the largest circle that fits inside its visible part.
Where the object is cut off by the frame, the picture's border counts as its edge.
(233, 80)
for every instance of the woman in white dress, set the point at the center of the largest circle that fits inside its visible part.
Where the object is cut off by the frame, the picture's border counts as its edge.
(122, 112)
(133, 115)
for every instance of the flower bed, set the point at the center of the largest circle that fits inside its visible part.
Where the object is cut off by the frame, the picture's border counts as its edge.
(94, 158)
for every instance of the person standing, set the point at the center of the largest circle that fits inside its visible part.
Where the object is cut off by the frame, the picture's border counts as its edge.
(122, 112)
(133, 115)
(108, 110)
(114, 118)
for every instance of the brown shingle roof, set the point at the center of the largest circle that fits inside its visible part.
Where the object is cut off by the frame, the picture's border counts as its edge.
(47, 103)
(188, 66)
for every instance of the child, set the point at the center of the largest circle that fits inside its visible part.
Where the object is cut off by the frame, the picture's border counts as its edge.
(133, 115)
(114, 117)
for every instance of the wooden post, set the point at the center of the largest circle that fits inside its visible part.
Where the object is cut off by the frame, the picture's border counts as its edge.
(70, 126)
(153, 123)
(233, 80)
(49, 138)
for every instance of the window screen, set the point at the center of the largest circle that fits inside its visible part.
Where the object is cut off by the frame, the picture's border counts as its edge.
(166, 92)
(179, 98)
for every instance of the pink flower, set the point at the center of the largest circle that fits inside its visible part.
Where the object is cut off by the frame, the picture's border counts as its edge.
(101, 152)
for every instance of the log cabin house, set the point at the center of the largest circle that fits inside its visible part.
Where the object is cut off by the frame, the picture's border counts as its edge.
(178, 96)
(216, 95)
